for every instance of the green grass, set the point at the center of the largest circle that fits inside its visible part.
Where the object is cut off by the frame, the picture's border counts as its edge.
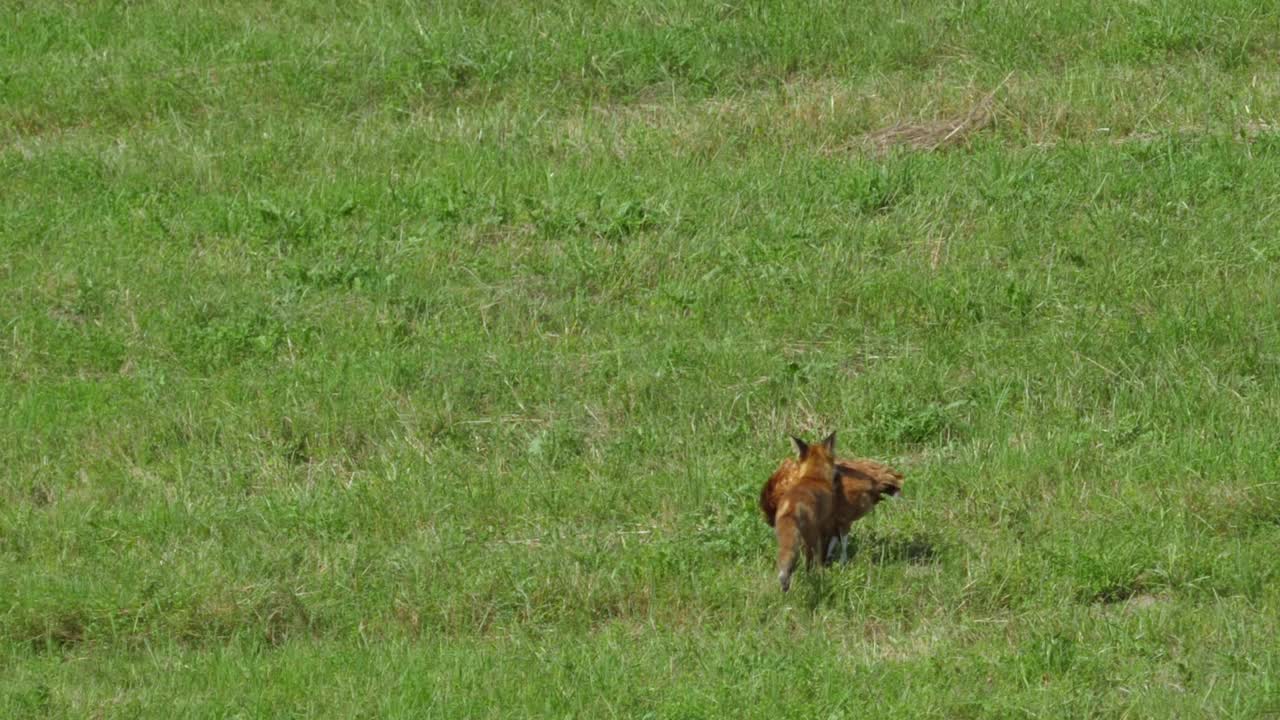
(385, 360)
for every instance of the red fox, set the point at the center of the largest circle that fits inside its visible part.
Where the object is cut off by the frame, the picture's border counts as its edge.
(798, 501)
(860, 485)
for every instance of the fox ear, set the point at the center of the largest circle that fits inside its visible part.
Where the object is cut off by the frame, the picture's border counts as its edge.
(802, 447)
(830, 444)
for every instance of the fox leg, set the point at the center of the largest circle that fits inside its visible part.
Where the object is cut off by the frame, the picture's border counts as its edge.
(844, 548)
(814, 552)
(788, 536)
(831, 548)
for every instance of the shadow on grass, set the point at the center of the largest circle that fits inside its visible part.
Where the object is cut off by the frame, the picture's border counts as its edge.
(820, 588)
(891, 550)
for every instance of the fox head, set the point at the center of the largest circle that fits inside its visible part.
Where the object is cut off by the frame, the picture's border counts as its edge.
(817, 460)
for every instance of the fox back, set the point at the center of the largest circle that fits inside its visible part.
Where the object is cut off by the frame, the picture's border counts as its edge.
(861, 484)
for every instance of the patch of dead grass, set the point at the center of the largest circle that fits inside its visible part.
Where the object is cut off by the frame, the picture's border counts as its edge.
(937, 134)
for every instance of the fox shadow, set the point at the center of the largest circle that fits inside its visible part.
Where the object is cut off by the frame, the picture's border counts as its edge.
(918, 549)
(882, 550)
(822, 588)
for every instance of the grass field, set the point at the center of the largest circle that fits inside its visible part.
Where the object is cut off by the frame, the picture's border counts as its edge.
(424, 360)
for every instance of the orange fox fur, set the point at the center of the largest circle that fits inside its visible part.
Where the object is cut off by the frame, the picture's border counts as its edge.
(858, 486)
(798, 501)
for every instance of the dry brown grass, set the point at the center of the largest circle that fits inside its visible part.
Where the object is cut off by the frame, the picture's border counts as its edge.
(881, 114)
(933, 135)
